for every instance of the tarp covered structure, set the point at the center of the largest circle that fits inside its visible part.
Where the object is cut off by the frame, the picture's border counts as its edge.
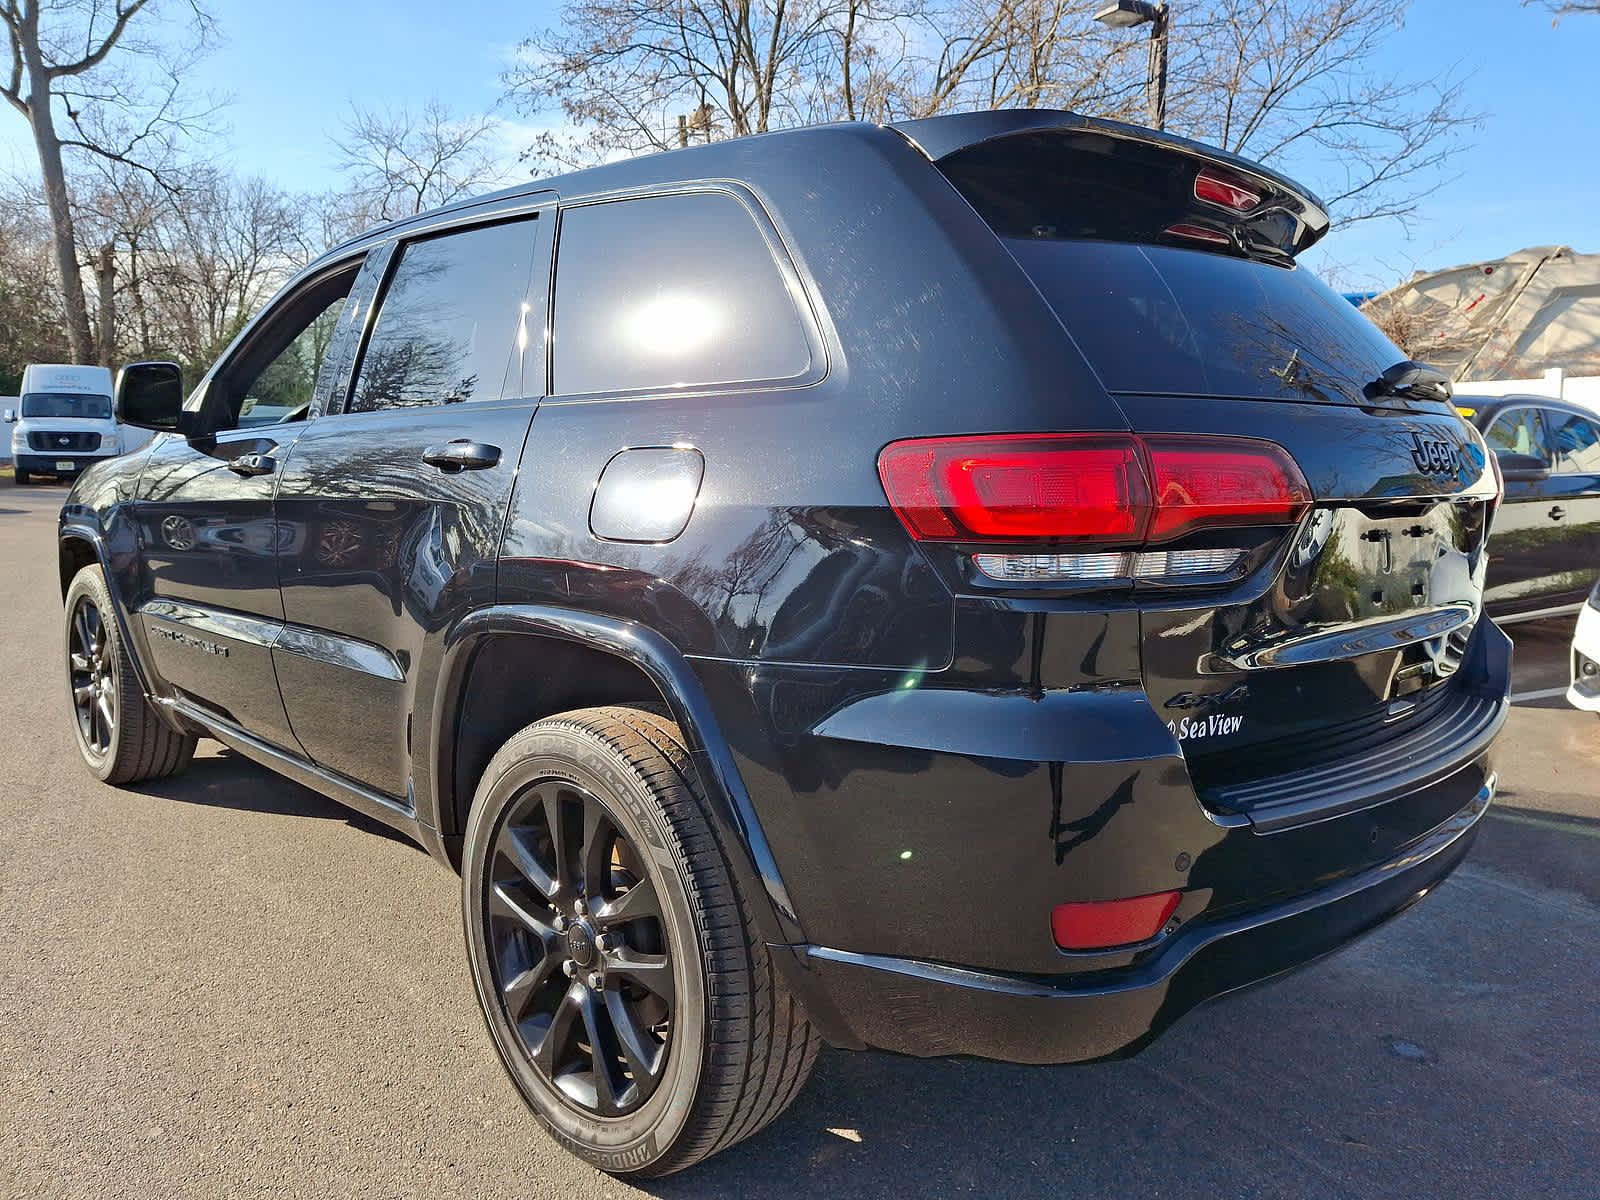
(1511, 318)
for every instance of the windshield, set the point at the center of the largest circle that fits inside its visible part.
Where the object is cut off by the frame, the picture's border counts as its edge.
(67, 404)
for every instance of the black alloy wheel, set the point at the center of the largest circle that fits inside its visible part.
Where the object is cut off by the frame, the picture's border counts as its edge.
(579, 948)
(632, 1001)
(92, 674)
(120, 735)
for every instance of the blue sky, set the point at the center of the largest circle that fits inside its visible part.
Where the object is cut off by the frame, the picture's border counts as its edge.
(1533, 175)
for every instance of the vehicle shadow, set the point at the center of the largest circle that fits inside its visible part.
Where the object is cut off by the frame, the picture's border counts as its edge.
(224, 779)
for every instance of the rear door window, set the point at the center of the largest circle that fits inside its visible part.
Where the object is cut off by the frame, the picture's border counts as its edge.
(673, 291)
(1576, 443)
(454, 321)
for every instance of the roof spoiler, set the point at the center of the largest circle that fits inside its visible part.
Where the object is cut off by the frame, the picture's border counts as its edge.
(940, 137)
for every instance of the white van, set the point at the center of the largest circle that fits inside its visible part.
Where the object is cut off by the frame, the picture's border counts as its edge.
(63, 421)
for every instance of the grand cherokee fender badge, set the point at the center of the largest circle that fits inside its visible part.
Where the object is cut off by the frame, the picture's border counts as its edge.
(189, 639)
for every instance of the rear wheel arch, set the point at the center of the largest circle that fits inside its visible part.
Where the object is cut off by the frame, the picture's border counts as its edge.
(504, 667)
(75, 552)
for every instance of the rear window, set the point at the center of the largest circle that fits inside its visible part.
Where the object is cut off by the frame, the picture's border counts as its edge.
(67, 404)
(1091, 221)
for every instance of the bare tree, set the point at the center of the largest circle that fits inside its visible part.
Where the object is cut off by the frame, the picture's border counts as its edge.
(65, 81)
(622, 71)
(401, 162)
(1281, 80)
(1563, 8)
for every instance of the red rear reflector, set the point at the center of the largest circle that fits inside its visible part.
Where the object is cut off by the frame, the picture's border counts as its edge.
(1216, 188)
(1199, 233)
(1018, 488)
(1116, 489)
(1222, 481)
(1098, 924)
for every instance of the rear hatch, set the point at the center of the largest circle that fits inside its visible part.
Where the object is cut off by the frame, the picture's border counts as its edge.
(1331, 634)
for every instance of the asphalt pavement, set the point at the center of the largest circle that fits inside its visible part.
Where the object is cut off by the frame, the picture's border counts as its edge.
(225, 985)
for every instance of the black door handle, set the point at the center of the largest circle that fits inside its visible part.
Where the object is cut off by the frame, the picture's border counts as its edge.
(1557, 513)
(253, 464)
(461, 455)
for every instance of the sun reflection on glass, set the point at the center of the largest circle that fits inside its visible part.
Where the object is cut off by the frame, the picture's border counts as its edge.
(671, 325)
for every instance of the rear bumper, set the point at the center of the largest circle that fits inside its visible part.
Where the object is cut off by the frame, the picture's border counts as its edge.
(924, 1008)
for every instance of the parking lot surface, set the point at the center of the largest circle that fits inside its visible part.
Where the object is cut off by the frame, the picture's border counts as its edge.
(225, 985)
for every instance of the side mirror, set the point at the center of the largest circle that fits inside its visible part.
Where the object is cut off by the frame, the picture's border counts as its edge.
(11, 416)
(150, 395)
(1521, 466)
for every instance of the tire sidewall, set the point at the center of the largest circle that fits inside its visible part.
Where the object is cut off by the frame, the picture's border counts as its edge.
(619, 1145)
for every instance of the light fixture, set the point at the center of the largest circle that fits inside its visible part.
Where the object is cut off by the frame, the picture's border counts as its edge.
(1125, 14)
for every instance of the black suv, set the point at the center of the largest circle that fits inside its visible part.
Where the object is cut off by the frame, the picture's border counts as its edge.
(954, 588)
(1546, 554)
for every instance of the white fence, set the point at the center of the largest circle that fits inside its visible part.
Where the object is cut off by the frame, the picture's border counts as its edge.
(1582, 389)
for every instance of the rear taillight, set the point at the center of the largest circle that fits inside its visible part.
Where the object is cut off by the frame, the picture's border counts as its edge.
(1018, 488)
(1118, 490)
(1221, 481)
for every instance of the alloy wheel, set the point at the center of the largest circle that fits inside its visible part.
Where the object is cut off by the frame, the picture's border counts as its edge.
(93, 676)
(578, 944)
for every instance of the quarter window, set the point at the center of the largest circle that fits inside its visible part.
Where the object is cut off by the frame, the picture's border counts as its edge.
(454, 321)
(663, 292)
(1576, 441)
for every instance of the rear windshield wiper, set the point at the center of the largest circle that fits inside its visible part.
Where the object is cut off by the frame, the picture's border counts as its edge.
(1413, 380)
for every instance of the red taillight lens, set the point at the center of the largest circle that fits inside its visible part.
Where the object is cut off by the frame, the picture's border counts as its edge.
(1099, 924)
(1112, 489)
(1223, 481)
(1018, 488)
(1214, 187)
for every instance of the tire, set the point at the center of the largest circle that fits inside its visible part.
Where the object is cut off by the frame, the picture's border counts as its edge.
(20, 478)
(121, 738)
(733, 1049)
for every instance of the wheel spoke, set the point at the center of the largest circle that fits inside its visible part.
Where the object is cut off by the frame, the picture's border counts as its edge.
(82, 694)
(653, 972)
(637, 902)
(514, 844)
(103, 707)
(633, 1040)
(503, 904)
(558, 1034)
(80, 662)
(519, 991)
(603, 1054)
(80, 622)
(599, 835)
(553, 795)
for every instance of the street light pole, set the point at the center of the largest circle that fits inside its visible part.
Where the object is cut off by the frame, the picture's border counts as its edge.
(1156, 82)
(1125, 14)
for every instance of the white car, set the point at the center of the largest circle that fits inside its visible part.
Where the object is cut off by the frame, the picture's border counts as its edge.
(1585, 690)
(63, 421)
